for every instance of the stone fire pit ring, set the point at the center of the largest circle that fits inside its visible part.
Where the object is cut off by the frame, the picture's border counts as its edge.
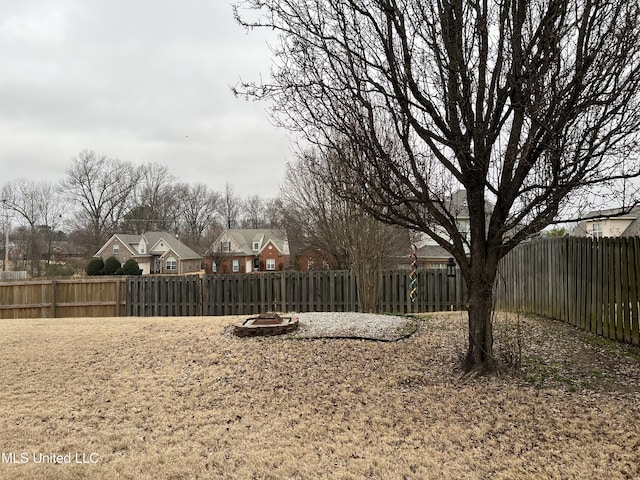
(265, 324)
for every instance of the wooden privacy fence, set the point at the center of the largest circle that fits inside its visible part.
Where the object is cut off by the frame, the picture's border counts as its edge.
(101, 297)
(230, 294)
(593, 284)
(247, 294)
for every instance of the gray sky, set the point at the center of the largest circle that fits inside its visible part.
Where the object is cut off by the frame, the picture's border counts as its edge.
(139, 80)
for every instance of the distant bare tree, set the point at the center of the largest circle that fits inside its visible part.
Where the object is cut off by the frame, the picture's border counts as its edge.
(101, 188)
(199, 211)
(358, 240)
(231, 207)
(273, 210)
(530, 104)
(305, 213)
(155, 206)
(38, 209)
(253, 212)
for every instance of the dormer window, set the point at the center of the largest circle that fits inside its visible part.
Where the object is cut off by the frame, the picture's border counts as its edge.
(256, 246)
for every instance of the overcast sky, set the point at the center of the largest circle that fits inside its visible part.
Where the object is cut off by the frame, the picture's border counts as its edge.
(139, 80)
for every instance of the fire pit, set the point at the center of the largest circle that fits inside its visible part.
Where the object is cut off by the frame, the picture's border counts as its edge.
(266, 324)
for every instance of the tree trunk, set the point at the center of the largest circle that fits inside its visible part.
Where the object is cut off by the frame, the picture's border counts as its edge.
(480, 276)
(479, 356)
(367, 284)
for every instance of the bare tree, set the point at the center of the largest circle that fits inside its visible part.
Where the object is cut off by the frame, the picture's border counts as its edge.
(231, 207)
(306, 212)
(530, 104)
(38, 210)
(273, 213)
(199, 207)
(253, 212)
(101, 188)
(155, 206)
(355, 238)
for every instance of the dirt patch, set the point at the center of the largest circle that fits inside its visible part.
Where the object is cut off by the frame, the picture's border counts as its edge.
(177, 398)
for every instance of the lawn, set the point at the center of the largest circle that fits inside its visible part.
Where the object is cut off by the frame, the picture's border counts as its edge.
(181, 398)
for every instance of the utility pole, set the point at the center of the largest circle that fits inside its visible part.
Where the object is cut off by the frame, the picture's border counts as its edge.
(6, 236)
(6, 249)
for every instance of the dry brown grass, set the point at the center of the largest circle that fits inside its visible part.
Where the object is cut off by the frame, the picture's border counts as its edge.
(176, 398)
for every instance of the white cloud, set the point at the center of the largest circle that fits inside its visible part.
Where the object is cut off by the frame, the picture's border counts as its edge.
(138, 80)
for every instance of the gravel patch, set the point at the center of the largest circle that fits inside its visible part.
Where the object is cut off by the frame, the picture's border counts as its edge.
(353, 325)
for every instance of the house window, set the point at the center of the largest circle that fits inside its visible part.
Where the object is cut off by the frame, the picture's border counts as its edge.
(142, 248)
(597, 230)
(271, 263)
(256, 246)
(116, 249)
(214, 267)
(309, 264)
(171, 264)
(256, 264)
(235, 265)
(225, 246)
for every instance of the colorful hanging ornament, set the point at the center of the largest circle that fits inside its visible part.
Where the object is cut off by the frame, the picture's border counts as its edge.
(413, 274)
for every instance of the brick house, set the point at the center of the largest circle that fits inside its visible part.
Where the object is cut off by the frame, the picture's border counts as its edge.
(155, 252)
(245, 250)
(314, 258)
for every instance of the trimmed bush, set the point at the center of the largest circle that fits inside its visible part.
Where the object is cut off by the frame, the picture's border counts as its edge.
(111, 266)
(54, 270)
(131, 267)
(95, 266)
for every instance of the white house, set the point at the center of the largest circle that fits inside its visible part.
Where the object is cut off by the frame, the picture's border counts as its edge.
(155, 252)
(610, 223)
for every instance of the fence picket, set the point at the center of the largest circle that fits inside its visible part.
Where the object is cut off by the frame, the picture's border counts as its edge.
(634, 266)
(611, 301)
(633, 298)
(624, 297)
(618, 279)
(599, 286)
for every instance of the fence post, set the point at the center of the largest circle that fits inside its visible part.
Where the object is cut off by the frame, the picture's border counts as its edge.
(128, 298)
(117, 286)
(635, 266)
(54, 289)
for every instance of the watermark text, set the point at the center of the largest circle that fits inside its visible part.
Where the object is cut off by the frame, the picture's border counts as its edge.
(21, 458)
